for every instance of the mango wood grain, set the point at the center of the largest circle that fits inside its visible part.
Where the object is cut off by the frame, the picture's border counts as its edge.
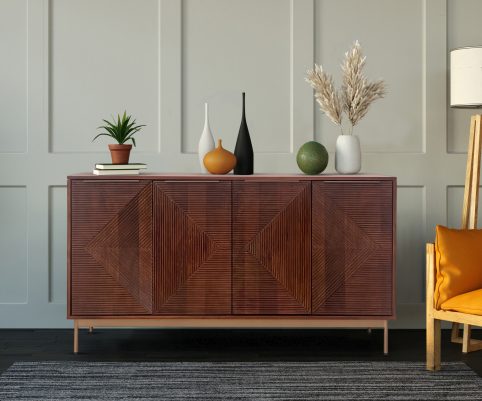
(233, 317)
(153, 176)
(227, 251)
(110, 253)
(352, 247)
(192, 241)
(214, 322)
(271, 248)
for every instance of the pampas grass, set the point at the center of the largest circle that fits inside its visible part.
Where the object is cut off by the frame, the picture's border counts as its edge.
(325, 93)
(356, 93)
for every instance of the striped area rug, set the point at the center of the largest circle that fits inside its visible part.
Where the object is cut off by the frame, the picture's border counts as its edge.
(64, 381)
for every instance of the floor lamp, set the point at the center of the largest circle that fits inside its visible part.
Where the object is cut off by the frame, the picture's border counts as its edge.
(466, 92)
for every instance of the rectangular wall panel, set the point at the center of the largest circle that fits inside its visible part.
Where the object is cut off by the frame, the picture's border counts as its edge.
(462, 18)
(410, 244)
(13, 245)
(393, 124)
(103, 60)
(58, 244)
(455, 201)
(13, 76)
(231, 46)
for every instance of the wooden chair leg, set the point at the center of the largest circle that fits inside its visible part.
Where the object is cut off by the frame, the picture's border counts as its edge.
(433, 344)
(455, 336)
(433, 325)
(466, 338)
(76, 336)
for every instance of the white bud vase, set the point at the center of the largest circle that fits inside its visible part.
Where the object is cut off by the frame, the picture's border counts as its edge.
(347, 154)
(206, 142)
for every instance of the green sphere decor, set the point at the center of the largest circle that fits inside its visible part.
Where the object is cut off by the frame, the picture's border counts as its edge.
(312, 158)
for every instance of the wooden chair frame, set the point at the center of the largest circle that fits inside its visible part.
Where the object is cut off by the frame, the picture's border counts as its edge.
(469, 221)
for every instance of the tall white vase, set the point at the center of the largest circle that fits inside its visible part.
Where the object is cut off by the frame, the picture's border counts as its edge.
(347, 154)
(206, 142)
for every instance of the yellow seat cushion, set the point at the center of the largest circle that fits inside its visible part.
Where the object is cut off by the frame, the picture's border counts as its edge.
(470, 302)
(458, 255)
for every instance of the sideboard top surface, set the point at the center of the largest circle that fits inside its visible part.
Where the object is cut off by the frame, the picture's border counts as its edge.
(232, 177)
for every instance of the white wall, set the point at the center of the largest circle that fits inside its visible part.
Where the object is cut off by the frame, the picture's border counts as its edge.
(68, 63)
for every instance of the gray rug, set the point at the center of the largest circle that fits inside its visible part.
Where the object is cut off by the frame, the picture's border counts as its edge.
(237, 381)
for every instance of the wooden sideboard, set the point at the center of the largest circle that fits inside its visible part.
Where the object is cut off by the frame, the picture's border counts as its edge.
(190, 251)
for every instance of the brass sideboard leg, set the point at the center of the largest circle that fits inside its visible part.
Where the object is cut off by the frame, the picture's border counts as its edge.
(76, 336)
(91, 329)
(385, 337)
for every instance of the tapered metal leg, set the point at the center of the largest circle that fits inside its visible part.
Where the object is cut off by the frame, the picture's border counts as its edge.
(385, 337)
(76, 336)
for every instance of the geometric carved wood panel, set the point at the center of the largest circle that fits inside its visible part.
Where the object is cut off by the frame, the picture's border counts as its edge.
(111, 253)
(271, 248)
(352, 242)
(192, 237)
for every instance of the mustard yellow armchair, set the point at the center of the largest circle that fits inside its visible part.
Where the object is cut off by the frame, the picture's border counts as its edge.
(464, 308)
(454, 266)
(454, 289)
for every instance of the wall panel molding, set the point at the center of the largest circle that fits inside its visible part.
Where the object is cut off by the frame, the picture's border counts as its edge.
(222, 93)
(13, 240)
(57, 232)
(395, 124)
(14, 22)
(101, 71)
(430, 170)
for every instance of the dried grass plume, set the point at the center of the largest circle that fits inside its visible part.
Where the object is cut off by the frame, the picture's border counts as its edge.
(325, 93)
(356, 93)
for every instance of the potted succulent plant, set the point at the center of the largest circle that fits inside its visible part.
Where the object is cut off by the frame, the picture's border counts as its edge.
(121, 131)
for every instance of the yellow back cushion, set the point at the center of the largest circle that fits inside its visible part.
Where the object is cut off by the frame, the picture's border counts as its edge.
(458, 256)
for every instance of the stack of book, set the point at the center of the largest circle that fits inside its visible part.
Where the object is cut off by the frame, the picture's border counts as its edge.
(118, 169)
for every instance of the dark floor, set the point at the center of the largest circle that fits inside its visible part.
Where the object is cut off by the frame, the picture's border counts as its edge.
(223, 345)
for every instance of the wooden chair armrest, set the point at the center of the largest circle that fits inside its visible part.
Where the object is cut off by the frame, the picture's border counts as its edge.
(430, 275)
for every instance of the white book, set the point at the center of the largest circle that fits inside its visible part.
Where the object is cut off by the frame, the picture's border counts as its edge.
(129, 166)
(116, 172)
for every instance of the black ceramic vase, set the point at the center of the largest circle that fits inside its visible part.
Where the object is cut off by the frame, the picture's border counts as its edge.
(244, 149)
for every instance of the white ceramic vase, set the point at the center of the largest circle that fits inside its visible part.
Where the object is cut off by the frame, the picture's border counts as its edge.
(206, 142)
(347, 154)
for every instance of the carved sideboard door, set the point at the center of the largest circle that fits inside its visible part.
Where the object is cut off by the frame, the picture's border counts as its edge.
(192, 242)
(352, 248)
(271, 248)
(111, 248)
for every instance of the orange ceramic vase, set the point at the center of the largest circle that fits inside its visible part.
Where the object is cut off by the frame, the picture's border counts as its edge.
(219, 160)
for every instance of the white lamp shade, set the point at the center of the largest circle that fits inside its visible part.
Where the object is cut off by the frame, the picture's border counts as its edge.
(466, 77)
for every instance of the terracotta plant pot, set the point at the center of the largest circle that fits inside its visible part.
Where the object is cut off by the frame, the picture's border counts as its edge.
(120, 153)
(219, 160)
